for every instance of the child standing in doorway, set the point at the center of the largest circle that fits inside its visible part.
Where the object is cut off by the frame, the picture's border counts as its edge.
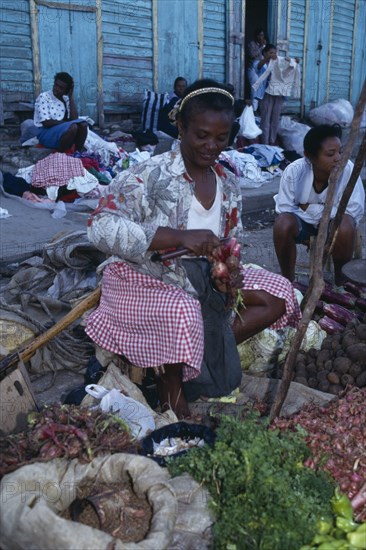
(284, 81)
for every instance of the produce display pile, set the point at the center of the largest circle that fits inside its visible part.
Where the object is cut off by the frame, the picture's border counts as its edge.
(340, 531)
(341, 361)
(338, 306)
(336, 437)
(64, 431)
(263, 496)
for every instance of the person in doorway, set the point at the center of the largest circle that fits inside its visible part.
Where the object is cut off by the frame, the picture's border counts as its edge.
(164, 122)
(173, 315)
(257, 66)
(301, 198)
(283, 78)
(56, 116)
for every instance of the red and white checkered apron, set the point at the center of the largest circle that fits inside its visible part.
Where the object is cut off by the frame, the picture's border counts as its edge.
(261, 279)
(148, 321)
(153, 323)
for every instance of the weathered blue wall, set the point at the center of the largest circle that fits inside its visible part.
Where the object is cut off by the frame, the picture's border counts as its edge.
(16, 66)
(328, 35)
(127, 51)
(71, 30)
(214, 40)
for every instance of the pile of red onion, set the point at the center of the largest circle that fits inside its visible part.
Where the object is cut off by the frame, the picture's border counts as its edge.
(225, 260)
(336, 437)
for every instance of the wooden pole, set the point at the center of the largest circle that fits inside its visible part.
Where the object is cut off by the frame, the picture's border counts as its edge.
(100, 100)
(317, 282)
(359, 161)
(33, 10)
(26, 352)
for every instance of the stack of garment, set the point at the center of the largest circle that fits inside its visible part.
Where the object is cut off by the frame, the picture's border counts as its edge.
(254, 165)
(60, 170)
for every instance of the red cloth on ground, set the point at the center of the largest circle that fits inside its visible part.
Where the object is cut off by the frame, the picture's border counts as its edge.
(56, 169)
(90, 163)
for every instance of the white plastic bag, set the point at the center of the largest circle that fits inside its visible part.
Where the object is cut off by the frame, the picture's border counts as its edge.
(135, 414)
(292, 134)
(248, 127)
(339, 111)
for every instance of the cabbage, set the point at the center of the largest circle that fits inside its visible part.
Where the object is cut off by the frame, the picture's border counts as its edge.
(259, 353)
(313, 338)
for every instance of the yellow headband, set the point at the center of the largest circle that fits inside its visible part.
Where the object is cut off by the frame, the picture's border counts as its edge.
(205, 91)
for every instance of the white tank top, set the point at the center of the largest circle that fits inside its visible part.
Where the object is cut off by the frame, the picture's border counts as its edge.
(200, 218)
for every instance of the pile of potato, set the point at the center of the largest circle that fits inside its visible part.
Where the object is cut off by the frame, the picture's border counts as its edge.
(340, 363)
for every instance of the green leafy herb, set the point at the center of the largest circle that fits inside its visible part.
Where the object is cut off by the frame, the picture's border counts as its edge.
(263, 497)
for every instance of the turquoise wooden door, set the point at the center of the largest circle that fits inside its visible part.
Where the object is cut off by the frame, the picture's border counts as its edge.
(67, 42)
(178, 43)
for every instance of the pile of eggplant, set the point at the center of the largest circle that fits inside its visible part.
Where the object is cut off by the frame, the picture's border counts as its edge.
(338, 306)
(340, 364)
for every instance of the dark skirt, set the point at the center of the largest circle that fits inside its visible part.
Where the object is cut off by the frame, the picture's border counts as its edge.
(50, 137)
(221, 369)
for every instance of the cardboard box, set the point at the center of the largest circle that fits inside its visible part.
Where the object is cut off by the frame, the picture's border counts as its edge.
(16, 399)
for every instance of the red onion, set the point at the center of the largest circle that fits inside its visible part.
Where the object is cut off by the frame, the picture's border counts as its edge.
(337, 433)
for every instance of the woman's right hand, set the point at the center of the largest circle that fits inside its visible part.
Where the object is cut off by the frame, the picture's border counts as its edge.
(200, 242)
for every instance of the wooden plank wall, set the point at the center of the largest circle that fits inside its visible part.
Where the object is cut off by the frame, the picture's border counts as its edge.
(127, 53)
(214, 40)
(296, 25)
(16, 67)
(359, 51)
(342, 25)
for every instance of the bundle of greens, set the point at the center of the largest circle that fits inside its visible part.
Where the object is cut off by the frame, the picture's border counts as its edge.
(263, 496)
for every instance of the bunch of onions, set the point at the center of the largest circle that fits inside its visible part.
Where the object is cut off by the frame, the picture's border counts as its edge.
(226, 262)
(336, 437)
(226, 258)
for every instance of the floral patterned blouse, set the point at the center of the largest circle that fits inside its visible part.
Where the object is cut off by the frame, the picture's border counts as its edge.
(156, 193)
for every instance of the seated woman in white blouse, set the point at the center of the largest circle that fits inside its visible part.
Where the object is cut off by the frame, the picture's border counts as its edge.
(56, 115)
(301, 198)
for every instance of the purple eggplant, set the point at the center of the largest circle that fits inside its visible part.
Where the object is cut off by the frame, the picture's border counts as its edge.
(330, 325)
(357, 290)
(339, 313)
(344, 298)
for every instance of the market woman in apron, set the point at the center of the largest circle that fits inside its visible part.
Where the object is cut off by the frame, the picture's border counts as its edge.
(172, 315)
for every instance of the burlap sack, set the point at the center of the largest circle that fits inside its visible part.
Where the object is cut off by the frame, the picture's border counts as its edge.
(33, 496)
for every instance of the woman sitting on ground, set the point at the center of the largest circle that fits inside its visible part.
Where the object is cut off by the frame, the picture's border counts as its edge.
(172, 315)
(301, 198)
(56, 115)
